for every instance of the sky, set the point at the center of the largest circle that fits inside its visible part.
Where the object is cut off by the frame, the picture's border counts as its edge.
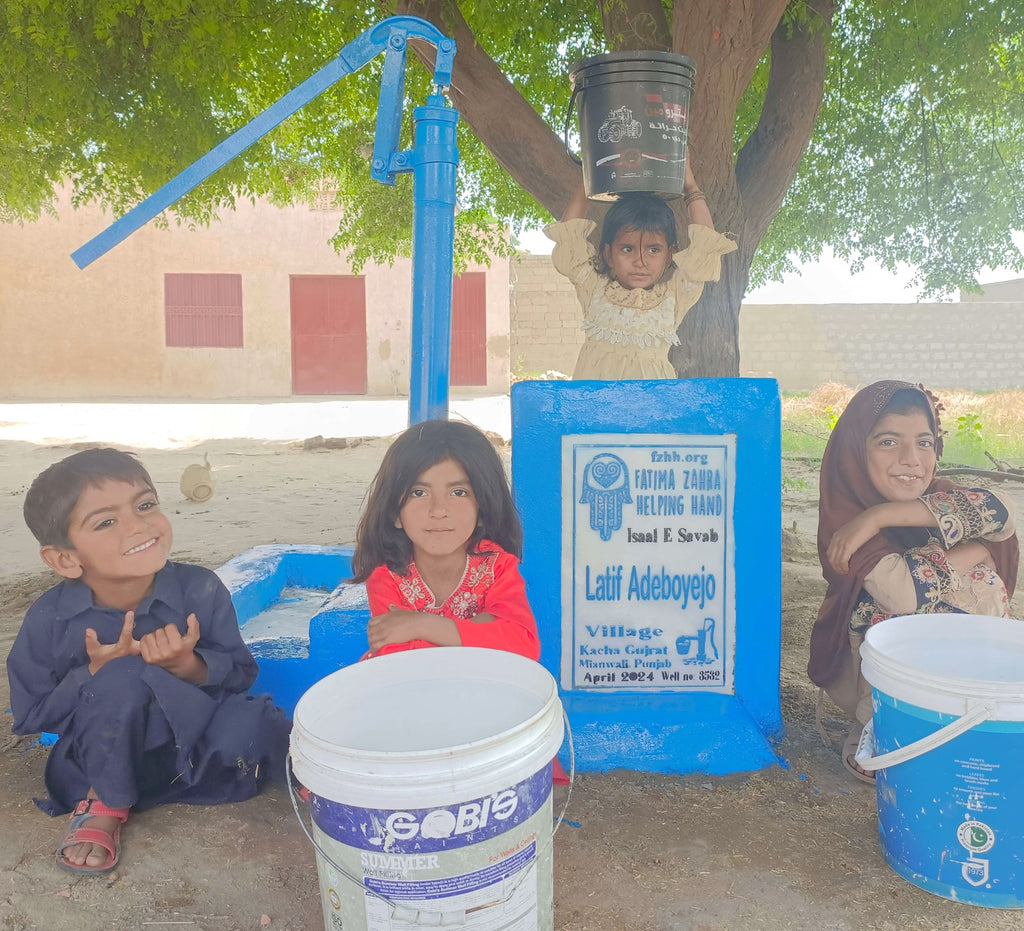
(826, 281)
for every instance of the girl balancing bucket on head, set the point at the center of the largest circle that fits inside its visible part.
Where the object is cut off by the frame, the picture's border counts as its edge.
(638, 285)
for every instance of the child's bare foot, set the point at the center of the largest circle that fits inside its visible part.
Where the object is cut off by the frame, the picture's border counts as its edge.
(92, 841)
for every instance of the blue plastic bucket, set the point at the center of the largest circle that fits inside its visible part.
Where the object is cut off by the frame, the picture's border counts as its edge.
(947, 743)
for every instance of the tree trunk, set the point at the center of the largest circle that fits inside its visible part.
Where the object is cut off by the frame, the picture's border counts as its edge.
(497, 112)
(637, 26)
(748, 200)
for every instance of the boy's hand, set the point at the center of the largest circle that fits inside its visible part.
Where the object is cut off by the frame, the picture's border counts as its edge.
(167, 648)
(102, 653)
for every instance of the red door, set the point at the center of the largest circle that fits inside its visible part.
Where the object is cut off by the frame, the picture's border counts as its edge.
(469, 329)
(328, 334)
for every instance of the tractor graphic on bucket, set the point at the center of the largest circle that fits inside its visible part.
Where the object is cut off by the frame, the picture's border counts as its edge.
(618, 124)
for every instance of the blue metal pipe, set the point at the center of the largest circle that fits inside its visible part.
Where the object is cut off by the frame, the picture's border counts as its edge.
(434, 158)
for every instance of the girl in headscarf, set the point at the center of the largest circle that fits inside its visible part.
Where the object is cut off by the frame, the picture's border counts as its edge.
(893, 539)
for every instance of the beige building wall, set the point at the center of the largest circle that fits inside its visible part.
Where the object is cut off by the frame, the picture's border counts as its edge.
(1012, 290)
(99, 332)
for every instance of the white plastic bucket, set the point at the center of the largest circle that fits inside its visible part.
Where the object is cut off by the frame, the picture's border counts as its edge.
(429, 775)
(947, 741)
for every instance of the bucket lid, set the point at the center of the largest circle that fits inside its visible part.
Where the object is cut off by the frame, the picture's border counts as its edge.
(948, 662)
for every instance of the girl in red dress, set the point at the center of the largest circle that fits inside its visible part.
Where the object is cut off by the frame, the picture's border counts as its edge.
(439, 546)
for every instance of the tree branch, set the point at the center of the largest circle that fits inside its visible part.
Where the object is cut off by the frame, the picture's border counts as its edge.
(726, 41)
(497, 112)
(635, 25)
(769, 159)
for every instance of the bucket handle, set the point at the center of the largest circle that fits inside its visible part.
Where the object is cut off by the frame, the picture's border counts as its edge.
(291, 782)
(404, 912)
(866, 758)
(565, 129)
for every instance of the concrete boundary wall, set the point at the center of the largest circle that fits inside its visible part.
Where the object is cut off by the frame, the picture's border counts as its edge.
(545, 319)
(978, 345)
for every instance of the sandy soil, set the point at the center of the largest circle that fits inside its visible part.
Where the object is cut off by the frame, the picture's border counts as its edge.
(791, 847)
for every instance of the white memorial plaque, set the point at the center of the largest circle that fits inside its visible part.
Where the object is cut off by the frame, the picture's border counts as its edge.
(647, 582)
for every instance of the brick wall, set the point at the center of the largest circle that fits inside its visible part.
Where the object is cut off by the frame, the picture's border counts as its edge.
(545, 318)
(978, 346)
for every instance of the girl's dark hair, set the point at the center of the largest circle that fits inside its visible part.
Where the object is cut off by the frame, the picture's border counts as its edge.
(905, 401)
(56, 490)
(645, 213)
(380, 542)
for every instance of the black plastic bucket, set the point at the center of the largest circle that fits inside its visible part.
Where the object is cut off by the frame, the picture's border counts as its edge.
(633, 113)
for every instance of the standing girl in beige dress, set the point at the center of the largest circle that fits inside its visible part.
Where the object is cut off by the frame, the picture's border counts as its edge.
(636, 288)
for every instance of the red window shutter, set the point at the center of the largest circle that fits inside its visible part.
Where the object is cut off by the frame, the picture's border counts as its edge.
(469, 329)
(203, 310)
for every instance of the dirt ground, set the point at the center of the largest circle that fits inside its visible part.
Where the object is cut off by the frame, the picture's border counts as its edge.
(791, 847)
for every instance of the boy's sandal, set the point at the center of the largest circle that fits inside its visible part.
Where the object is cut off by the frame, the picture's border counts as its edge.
(78, 833)
(850, 753)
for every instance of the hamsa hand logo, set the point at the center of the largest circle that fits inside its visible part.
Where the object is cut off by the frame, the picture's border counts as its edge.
(606, 489)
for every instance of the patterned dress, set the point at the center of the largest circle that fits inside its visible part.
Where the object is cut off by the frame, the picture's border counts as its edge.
(629, 331)
(491, 582)
(921, 581)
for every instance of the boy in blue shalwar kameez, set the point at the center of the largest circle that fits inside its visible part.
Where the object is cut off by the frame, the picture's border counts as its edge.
(136, 662)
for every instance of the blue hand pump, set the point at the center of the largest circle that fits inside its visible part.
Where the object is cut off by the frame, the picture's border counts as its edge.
(432, 160)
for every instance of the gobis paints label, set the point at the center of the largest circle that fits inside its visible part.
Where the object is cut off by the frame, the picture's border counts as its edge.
(427, 830)
(482, 864)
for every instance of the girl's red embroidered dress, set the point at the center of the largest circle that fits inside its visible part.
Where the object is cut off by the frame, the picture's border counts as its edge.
(491, 583)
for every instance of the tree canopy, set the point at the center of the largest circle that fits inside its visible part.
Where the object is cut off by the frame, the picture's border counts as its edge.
(889, 129)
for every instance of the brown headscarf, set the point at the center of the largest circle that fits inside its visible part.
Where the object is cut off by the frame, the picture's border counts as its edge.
(844, 492)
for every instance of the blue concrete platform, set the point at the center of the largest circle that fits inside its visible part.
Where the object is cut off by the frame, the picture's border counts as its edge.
(336, 633)
(651, 514)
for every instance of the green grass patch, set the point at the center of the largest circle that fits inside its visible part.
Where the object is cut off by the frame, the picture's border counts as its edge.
(975, 424)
